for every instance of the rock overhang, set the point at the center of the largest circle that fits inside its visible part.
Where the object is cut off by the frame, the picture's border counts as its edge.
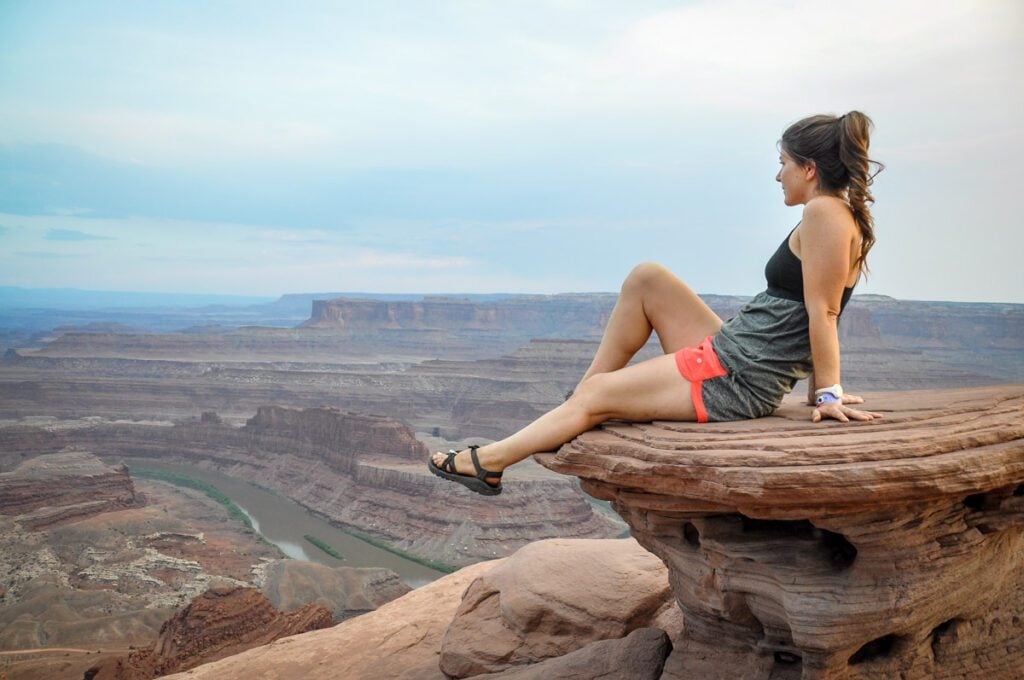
(892, 548)
(928, 445)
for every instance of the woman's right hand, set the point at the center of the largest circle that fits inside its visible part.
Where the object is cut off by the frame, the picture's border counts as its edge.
(841, 412)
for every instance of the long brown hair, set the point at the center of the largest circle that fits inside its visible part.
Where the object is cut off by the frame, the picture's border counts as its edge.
(839, 148)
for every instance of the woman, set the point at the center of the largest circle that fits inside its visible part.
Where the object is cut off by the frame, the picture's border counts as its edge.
(742, 368)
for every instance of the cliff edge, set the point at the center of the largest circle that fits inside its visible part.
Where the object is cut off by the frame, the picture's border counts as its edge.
(783, 550)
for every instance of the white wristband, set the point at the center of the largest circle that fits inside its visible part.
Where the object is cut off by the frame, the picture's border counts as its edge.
(835, 390)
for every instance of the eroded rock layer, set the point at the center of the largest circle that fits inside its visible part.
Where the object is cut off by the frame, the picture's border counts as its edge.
(461, 368)
(873, 550)
(217, 624)
(49, 491)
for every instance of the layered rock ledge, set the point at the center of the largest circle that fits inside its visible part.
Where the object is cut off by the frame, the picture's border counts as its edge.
(872, 550)
(62, 488)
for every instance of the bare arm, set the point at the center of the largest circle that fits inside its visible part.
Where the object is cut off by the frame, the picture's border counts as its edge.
(825, 238)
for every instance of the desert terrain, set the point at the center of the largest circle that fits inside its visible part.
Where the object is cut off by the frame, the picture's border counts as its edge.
(335, 409)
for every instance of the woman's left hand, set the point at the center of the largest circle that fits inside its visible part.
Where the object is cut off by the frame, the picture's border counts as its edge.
(841, 412)
(852, 399)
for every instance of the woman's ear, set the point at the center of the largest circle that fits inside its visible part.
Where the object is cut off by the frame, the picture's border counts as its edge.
(810, 171)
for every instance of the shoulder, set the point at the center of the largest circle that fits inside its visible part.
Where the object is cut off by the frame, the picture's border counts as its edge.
(828, 208)
(829, 217)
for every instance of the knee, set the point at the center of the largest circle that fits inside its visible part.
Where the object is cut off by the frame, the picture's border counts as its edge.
(644, 276)
(590, 398)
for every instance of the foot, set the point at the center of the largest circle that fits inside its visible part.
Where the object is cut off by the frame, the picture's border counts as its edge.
(465, 468)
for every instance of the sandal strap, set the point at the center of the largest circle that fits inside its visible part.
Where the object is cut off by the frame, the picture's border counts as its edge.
(448, 464)
(481, 473)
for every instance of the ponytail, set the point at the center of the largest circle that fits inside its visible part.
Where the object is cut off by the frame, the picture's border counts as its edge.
(839, 149)
(854, 129)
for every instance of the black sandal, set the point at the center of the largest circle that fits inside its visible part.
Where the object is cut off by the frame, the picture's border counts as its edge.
(478, 483)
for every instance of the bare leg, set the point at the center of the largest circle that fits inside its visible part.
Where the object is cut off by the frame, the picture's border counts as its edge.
(652, 298)
(649, 390)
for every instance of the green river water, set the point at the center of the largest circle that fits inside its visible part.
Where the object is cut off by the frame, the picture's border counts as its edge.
(286, 523)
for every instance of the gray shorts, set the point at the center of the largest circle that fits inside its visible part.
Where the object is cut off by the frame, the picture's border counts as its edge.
(755, 359)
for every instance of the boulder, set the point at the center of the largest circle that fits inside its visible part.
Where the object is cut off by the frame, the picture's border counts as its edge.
(551, 598)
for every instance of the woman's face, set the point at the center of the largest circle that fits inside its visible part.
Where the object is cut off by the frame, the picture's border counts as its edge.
(799, 182)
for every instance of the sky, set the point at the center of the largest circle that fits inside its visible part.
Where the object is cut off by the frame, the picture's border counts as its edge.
(263, 148)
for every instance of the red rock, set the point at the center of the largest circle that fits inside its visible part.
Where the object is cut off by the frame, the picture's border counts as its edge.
(219, 623)
(893, 548)
(551, 598)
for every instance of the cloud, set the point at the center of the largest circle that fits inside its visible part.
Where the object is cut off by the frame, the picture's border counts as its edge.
(73, 235)
(755, 55)
(3, 230)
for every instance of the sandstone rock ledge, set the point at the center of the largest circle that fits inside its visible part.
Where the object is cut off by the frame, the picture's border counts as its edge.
(891, 549)
(561, 608)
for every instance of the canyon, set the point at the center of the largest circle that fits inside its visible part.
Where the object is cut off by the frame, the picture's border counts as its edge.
(338, 412)
(94, 563)
(455, 367)
(362, 472)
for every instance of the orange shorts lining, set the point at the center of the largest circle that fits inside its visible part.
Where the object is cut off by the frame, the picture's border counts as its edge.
(698, 364)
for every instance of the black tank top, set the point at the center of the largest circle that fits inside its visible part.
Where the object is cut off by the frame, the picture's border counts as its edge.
(785, 275)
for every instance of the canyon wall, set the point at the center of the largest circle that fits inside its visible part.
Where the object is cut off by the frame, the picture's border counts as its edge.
(455, 367)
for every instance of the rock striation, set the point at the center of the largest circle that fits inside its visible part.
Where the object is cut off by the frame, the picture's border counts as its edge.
(567, 315)
(460, 368)
(344, 438)
(49, 491)
(219, 623)
(872, 550)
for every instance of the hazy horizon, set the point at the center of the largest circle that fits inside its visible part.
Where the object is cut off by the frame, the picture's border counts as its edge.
(12, 297)
(256, 150)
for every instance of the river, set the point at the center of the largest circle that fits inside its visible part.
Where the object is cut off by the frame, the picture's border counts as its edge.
(284, 523)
